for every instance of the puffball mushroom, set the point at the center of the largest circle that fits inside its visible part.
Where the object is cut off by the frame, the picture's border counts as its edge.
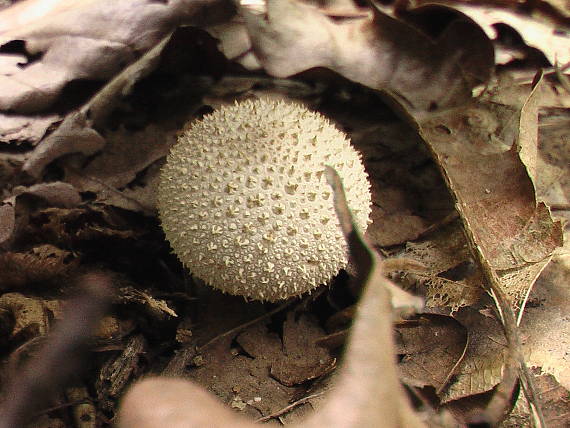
(244, 202)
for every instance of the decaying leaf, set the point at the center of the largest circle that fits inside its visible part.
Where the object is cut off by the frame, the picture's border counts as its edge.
(545, 327)
(25, 129)
(494, 194)
(450, 276)
(556, 404)
(57, 193)
(482, 366)
(125, 155)
(365, 46)
(102, 37)
(30, 316)
(544, 36)
(41, 263)
(433, 346)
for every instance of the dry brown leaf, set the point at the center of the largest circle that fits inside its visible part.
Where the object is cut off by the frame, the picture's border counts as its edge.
(433, 345)
(545, 327)
(125, 155)
(494, 194)
(556, 404)
(78, 132)
(25, 129)
(482, 365)
(55, 43)
(74, 135)
(552, 40)
(57, 193)
(553, 185)
(41, 263)
(367, 47)
(450, 276)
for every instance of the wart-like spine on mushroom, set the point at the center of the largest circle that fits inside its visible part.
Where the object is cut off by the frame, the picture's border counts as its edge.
(245, 205)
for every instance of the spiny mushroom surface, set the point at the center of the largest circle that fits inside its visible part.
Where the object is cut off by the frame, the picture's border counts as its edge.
(245, 205)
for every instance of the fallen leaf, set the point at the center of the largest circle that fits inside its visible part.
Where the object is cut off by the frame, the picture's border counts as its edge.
(482, 366)
(494, 194)
(555, 403)
(41, 263)
(110, 174)
(432, 346)
(367, 47)
(442, 253)
(550, 39)
(103, 37)
(545, 327)
(57, 193)
(18, 130)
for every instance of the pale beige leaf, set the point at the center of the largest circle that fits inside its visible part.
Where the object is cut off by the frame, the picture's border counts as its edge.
(553, 42)
(66, 40)
(370, 48)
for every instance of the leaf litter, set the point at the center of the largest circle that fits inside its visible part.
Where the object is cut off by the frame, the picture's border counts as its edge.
(79, 177)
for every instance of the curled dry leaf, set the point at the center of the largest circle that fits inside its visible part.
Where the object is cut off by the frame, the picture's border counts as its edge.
(551, 40)
(102, 37)
(365, 46)
(56, 193)
(125, 155)
(78, 132)
(17, 129)
(74, 135)
(367, 392)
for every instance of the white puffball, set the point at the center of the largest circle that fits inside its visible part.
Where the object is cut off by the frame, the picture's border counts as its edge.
(244, 202)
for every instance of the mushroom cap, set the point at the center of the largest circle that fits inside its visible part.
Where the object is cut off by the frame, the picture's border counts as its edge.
(244, 202)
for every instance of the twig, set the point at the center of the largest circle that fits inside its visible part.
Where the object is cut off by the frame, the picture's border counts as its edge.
(290, 407)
